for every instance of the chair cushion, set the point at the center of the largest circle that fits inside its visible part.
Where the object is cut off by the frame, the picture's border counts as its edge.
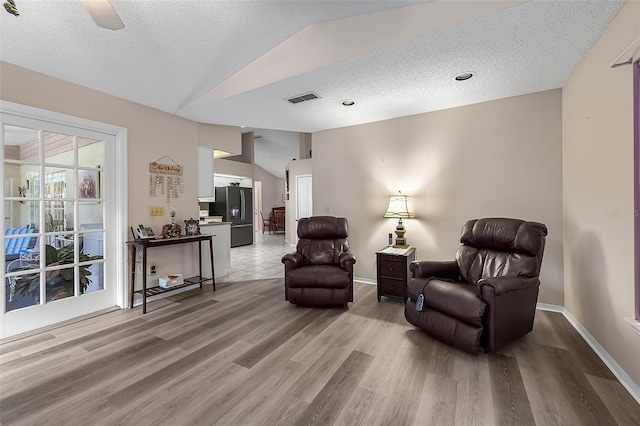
(310, 296)
(455, 299)
(507, 235)
(322, 276)
(322, 252)
(476, 264)
(323, 227)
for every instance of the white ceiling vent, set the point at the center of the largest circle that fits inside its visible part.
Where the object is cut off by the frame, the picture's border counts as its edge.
(301, 98)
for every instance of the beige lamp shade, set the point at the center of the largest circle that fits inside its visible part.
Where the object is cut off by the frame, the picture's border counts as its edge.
(399, 208)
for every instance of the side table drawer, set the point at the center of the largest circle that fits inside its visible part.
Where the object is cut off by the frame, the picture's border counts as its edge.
(392, 267)
(392, 287)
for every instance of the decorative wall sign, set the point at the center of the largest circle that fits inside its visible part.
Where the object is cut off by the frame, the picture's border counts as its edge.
(167, 177)
(165, 169)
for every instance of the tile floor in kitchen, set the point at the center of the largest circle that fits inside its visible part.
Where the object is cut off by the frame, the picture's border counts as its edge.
(258, 261)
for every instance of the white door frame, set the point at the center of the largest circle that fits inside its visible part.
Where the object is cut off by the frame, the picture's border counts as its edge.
(115, 246)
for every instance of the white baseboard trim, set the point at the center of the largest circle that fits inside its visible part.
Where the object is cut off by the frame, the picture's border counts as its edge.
(365, 280)
(608, 360)
(549, 307)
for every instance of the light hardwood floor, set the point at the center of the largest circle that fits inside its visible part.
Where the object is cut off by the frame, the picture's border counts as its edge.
(244, 356)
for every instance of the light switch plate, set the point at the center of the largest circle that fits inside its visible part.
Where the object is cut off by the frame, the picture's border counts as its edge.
(156, 211)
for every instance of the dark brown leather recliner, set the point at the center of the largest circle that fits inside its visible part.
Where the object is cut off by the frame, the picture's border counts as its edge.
(487, 297)
(320, 272)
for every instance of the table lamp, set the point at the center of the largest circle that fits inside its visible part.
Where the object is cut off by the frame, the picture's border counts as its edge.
(399, 207)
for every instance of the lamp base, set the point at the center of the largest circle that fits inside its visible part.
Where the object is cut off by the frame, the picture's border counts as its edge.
(401, 241)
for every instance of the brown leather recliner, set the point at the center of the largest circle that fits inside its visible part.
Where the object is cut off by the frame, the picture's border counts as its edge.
(320, 272)
(487, 297)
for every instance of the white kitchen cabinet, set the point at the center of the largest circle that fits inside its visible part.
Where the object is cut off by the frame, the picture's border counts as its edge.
(205, 174)
(221, 232)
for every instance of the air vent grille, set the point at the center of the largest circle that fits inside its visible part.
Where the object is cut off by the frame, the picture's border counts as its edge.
(302, 98)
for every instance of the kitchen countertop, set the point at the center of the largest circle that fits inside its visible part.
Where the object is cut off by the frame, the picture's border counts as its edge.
(214, 224)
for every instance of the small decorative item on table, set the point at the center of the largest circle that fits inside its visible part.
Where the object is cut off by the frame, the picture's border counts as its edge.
(171, 230)
(171, 281)
(191, 227)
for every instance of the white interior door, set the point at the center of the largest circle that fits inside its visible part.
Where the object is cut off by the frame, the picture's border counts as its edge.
(63, 262)
(304, 196)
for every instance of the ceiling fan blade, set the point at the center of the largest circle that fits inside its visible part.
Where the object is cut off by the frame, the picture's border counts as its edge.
(103, 14)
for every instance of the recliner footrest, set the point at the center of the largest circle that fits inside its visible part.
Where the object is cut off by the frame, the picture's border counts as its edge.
(457, 300)
(444, 328)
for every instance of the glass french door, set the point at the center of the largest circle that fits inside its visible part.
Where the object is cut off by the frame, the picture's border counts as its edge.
(55, 263)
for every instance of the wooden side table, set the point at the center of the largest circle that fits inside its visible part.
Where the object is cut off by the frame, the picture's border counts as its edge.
(393, 273)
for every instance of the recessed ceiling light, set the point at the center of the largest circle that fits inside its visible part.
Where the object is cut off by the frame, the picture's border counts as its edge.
(464, 76)
(348, 102)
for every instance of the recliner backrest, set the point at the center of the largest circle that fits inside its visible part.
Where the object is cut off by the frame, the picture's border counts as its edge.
(496, 247)
(322, 239)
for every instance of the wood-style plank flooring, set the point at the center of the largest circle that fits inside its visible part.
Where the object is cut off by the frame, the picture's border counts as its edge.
(244, 356)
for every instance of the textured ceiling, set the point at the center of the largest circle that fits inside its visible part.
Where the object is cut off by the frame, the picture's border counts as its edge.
(233, 62)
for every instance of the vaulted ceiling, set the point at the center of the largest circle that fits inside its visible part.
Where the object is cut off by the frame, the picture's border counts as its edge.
(236, 62)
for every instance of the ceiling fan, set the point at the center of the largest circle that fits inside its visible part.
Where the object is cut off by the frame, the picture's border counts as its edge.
(101, 11)
(103, 14)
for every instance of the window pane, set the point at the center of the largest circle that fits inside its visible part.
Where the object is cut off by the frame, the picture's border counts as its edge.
(21, 248)
(90, 215)
(88, 184)
(90, 153)
(21, 290)
(21, 214)
(92, 249)
(58, 216)
(60, 284)
(58, 149)
(21, 180)
(21, 144)
(58, 182)
(92, 278)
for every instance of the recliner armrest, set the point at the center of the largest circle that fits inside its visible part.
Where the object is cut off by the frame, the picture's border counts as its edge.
(502, 285)
(347, 260)
(430, 268)
(293, 260)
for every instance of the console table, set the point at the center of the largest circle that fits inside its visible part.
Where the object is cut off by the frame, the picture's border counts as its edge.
(145, 245)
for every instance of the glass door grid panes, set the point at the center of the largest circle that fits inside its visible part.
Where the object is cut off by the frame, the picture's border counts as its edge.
(59, 220)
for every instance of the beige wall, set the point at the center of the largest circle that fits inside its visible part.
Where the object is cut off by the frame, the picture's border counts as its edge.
(272, 189)
(230, 167)
(304, 147)
(500, 158)
(598, 193)
(152, 134)
(225, 138)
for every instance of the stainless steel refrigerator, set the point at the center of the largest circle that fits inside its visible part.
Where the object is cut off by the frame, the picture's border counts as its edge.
(235, 205)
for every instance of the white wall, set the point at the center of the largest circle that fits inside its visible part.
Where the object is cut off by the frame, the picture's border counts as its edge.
(598, 193)
(495, 159)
